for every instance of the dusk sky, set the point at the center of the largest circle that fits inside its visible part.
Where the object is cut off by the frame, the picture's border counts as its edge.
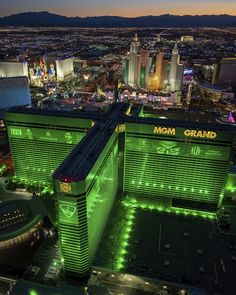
(120, 8)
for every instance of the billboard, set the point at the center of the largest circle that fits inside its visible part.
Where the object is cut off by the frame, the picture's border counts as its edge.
(179, 149)
(68, 212)
(48, 135)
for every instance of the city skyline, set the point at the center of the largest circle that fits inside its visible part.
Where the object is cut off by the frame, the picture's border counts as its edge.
(92, 8)
(117, 153)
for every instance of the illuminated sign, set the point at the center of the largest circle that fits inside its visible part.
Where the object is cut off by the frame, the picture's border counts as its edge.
(68, 211)
(168, 148)
(65, 187)
(187, 132)
(15, 132)
(48, 135)
(164, 130)
(188, 72)
(179, 149)
(196, 150)
(120, 128)
(200, 133)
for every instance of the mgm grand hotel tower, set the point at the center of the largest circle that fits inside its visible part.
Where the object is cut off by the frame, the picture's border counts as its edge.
(90, 159)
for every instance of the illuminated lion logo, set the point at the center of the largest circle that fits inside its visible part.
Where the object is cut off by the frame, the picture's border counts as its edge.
(168, 148)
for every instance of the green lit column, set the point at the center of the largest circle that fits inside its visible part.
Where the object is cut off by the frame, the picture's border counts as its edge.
(73, 230)
(142, 77)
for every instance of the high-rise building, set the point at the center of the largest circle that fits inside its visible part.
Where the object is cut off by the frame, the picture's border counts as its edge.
(143, 69)
(13, 69)
(227, 72)
(172, 165)
(179, 77)
(137, 74)
(159, 67)
(84, 206)
(39, 143)
(136, 66)
(187, 39)
(135, 49)
(158, 78)
(165, 74)
(64, 69)
(125, 67)
(14, 92)
(148, 69)
(176, 70)
(79, 64)
(215, 73)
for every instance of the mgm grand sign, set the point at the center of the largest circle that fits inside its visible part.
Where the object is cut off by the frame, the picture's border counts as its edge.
(187, 132)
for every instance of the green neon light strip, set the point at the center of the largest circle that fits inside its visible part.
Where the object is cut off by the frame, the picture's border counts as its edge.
(164, 168)
(102, 194)
(125, 237)
(131, 205)
(134, 203)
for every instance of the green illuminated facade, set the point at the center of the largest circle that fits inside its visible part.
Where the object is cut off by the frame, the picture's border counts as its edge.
(231, 183)
(102, 184)
(182, 172)
(39, 144)
(72, 222)
(142, 76)
(84, 210)
(178, 169)
(125, 73)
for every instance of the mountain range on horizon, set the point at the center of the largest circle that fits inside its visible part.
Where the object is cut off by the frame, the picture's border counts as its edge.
(45, 18)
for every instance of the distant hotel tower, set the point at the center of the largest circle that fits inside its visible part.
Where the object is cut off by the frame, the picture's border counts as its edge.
(158, 77)
(227, 72)
(14, 91)
(135, 49)
(64, 69)
(153, 73)
(176, 70)
(10, 69)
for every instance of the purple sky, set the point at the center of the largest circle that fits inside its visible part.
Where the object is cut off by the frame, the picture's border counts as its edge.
(121, 7)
